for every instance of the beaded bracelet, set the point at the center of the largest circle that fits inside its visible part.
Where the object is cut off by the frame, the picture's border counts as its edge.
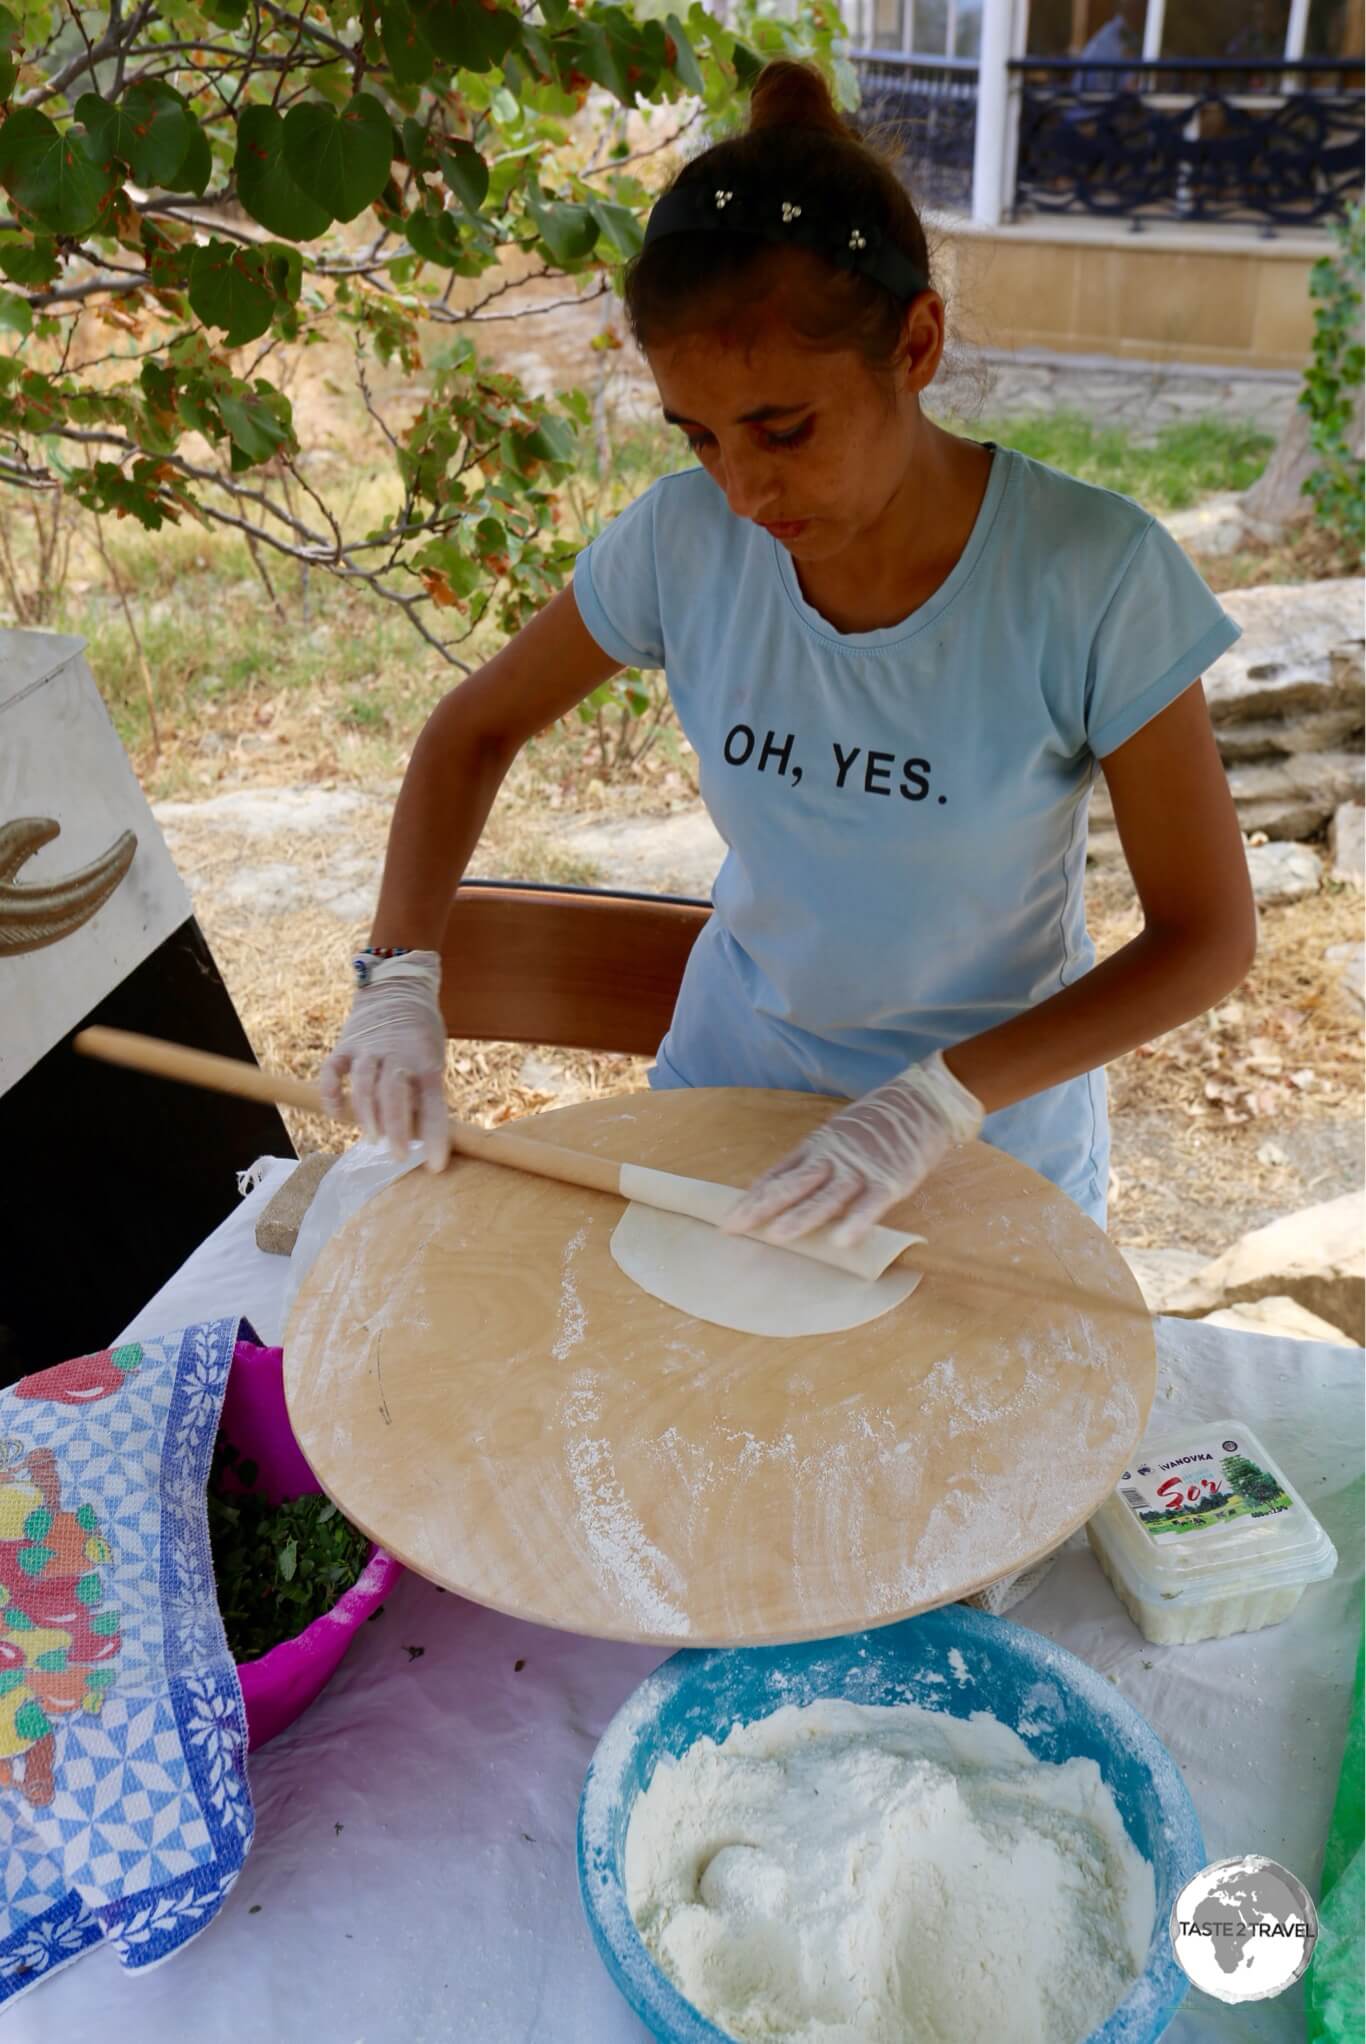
(364, 963)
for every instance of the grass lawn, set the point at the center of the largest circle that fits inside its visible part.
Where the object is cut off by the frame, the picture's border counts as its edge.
(1182, 465)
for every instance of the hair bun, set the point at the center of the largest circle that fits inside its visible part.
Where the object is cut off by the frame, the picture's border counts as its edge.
(792, 95)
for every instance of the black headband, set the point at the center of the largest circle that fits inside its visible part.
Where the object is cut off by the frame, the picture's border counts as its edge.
(712, 205)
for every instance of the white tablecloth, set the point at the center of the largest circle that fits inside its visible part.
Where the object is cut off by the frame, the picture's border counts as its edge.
(413, 1875)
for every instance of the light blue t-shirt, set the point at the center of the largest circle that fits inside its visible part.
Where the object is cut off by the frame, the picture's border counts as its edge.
(905, 809)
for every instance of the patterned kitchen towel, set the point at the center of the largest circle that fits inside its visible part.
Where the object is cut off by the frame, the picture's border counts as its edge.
(124, 1807)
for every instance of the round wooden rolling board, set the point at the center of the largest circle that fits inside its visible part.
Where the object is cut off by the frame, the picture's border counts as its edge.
(483, 1392)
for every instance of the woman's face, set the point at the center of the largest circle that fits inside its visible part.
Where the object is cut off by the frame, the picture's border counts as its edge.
(810, 444)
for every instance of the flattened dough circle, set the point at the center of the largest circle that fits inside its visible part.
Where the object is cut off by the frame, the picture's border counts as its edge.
(734, 1281)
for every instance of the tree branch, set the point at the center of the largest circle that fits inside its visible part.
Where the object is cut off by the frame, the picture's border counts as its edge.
(89, 287)
(110, 44)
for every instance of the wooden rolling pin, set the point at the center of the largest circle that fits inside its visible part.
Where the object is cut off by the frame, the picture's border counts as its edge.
(572, 1167)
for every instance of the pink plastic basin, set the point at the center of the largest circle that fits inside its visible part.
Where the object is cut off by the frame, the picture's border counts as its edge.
(280, 1685)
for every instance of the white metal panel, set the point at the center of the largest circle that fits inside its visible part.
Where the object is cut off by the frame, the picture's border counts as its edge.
(60, 757)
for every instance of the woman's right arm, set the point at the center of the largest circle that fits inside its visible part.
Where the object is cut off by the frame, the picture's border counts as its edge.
(393, 1046)
(460, 760)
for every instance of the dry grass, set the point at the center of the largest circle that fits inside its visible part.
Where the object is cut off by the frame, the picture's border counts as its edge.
(293, 995)
(1307, 553)
(1287, 1019)
(1250, 1111)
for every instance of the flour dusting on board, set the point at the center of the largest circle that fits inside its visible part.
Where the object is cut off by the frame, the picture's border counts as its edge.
(572, 1320)
(625, 1558)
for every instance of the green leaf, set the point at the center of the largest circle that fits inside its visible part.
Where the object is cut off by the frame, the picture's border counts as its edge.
(105, 1624)
(686, 68)
(620, 228)
(61, 178)
(568, 231)
(465, 33)
(38, 1524)
(463, 574)
(227, 13)
(228, 289)
(161, 131)
(90, 1590)
(435, 236)
(584, 47)
(534, 50)
(289, 1560)
(265, 183)
(253, 427)
(747, 65)
(28, 258)
(197, 166)
(466, 173)
(151, 130)
(554, 13)
(340, 160)
(11, 42)
(105, 123)
(409, 53)
(417, 146)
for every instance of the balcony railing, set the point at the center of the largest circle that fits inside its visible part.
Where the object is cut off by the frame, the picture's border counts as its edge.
(1272, 143)
(1266, 142)
(926, 107)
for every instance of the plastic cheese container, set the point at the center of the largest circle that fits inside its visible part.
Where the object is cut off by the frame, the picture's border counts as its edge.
(1205, 1536)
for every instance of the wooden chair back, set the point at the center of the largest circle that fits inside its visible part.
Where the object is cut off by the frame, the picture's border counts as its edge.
(580, 967)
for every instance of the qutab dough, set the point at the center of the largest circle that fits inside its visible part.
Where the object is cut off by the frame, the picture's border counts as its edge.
(754, 1287)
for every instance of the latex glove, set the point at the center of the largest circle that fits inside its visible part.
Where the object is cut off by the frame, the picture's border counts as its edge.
(863, 1160)
(393, 1051)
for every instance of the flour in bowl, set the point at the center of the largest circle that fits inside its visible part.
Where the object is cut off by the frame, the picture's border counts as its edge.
(843, 1873)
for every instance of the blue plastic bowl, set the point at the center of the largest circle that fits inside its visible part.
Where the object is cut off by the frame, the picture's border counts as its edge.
(1058, 1705)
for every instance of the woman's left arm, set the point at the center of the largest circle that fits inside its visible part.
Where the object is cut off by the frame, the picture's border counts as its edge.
(1180, 834)
(1179, 830)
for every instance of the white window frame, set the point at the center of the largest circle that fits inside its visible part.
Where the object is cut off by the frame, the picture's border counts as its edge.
(1296, 29)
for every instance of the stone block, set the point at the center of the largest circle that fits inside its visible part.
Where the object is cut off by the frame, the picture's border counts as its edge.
(277, 1230)
(1283, 872)
(1348, 962)
(1162, 1273)
(1285, 1317)
(1316, 1257)
(1301, 649)
(1272, 737)
(1295, 796)
(1347, 844)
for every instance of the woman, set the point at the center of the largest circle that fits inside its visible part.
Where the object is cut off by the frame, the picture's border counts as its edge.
(899, 656)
